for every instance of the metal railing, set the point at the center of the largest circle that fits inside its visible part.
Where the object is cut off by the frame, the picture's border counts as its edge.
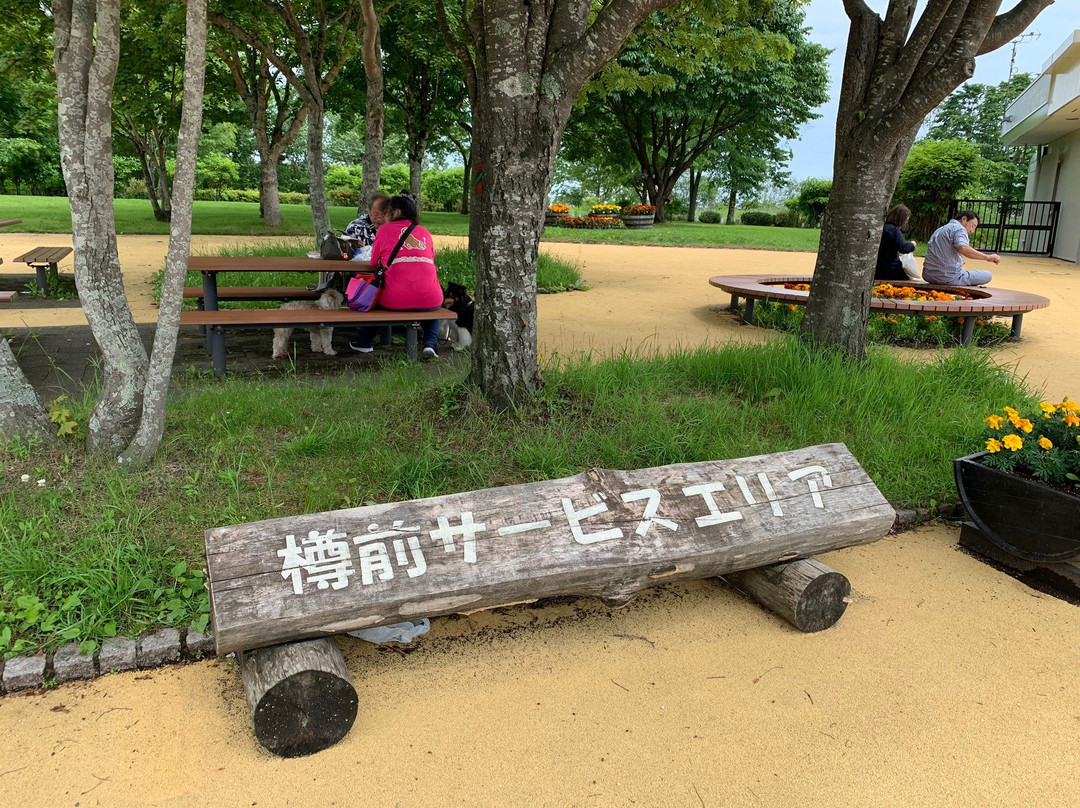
(1027, 228)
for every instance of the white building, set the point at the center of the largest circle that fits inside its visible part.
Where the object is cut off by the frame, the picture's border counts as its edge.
(1047, 115)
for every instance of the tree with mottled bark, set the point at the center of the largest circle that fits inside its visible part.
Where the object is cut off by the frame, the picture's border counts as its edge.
(276, 116)
(152, 422)
(86, 52)
(323, 35)
(525, 65)
(894, 75)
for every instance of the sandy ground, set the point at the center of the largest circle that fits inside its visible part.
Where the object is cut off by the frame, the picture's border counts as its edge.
(945, 683)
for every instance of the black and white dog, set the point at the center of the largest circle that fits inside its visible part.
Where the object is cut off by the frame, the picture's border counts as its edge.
(459, 333)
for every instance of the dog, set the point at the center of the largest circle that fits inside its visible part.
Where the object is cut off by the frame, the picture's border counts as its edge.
(459, 332)
(320, 337)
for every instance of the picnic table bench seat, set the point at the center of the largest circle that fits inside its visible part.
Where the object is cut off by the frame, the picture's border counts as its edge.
(44, 261)
(218, 321)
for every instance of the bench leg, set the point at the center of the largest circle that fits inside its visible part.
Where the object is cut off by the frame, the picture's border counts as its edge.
(1018, 321)
(42, 279)
(734, 303)
(412, 331)
(748, 313)
(216, 335)
(969, 330)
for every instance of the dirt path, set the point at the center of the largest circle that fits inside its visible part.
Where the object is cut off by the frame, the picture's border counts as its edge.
(946, 683)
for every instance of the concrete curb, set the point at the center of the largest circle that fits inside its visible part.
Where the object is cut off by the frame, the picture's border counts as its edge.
(170, 645)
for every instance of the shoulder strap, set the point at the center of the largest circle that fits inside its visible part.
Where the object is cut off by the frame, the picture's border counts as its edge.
(400, 244)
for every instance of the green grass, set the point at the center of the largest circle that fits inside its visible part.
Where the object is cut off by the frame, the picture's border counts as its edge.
(44, 214)
(97, 549)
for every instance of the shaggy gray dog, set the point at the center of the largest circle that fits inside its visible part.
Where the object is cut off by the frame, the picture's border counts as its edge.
(320, 337)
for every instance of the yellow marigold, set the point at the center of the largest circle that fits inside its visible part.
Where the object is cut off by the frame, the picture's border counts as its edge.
(993, 445)
(1011, 412)
(1068, 405)
(1046, 443)
(1013, 442)
(993, 421)
(1047, 407)
(1071, 419)
(1023, 423)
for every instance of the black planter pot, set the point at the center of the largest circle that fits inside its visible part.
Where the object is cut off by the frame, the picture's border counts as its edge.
(1021, 516)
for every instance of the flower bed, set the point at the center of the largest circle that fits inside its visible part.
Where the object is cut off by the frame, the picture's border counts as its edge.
(588, 222)
(605, 210)
(559, 209)
(895, 328)
(639, 210)
(1045, 445)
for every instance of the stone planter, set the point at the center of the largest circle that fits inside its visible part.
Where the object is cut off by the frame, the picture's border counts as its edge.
(639, 222)
(1023, 517)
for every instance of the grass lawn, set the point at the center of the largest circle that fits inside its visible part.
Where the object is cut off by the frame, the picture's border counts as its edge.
(50, 214)
(95, 550)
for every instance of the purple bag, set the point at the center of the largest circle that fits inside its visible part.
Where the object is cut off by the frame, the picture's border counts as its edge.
(362, 293)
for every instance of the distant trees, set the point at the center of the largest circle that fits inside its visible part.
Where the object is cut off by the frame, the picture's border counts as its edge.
(933, 175)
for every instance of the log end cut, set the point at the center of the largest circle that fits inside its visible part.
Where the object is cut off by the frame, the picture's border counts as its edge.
(823, 602)
(305, 713)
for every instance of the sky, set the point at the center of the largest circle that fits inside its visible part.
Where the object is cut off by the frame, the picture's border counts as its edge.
(813, 151)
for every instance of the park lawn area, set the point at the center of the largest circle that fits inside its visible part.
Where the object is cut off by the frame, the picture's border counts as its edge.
(94, 550)
(51, 214)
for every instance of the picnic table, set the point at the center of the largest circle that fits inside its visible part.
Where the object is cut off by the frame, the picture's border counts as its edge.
(210, 266)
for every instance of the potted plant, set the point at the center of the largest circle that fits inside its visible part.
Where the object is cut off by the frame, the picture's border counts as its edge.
(556, 212)
(604, 211)
(638, 217)
(1023, 492)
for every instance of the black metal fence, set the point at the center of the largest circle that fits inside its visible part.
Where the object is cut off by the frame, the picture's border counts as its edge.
(1014, 227)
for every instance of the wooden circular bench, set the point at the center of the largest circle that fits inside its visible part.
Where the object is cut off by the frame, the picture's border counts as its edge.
(987, 301)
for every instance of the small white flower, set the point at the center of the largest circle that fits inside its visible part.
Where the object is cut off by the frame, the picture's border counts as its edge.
(25, 478)
(41, 483)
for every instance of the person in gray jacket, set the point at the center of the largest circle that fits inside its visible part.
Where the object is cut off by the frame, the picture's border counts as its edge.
(947, 249)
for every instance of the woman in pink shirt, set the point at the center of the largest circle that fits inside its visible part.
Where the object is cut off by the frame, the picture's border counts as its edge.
(411, 282)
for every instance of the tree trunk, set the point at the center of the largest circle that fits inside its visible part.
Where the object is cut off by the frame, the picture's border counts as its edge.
(731, 207)
(375, 114)
(152, 424)
(151, 191)
(320, 213)
(86, 53)
(269, 195)
(466, 188)
(21, 413)
(695, 184)
(416, 163)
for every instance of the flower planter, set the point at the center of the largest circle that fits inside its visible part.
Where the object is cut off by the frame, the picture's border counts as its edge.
(553, 218)
(1021, 516)
(639, 222)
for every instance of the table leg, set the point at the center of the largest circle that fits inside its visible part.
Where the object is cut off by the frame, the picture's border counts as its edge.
(969, 330)
(210, 302)
(42, 279)
(1018, 321)
(217, 348)
(734, 303)
(411, 333)
(748, 313)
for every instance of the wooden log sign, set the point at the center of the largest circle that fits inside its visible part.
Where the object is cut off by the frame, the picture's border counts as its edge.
(603, 533)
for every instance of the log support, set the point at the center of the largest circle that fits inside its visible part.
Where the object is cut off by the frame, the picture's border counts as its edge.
(806, 593)
(300, 695)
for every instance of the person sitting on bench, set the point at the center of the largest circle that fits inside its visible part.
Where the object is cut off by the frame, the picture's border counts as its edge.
(411, 282)
(947, 249)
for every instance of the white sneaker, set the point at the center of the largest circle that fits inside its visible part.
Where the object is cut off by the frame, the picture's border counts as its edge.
(429, 353)
(356, 347)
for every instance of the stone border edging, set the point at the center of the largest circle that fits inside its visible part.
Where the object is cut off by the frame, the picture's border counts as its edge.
(171, 645)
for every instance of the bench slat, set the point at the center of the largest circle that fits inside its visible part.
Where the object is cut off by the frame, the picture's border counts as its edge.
(44, 255)
(274, 263)
(277, 318)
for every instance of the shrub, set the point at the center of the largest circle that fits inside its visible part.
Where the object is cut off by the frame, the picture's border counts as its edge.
(759, 218)
(344, 198)
(811, 201)
(789, 218)
(441, 188)
(711, 217)
(933, 175)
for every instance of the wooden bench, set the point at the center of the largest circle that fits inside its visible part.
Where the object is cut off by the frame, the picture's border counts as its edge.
(218, 321)
(987, 302)
(8, 297)
(601, 533)
(44, 261)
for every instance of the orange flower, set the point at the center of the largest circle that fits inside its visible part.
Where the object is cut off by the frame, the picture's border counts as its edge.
(1046, 443)
(1071, 419)
(993, 421)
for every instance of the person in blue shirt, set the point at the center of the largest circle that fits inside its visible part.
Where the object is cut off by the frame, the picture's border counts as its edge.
(947, 249)
(893, 244)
